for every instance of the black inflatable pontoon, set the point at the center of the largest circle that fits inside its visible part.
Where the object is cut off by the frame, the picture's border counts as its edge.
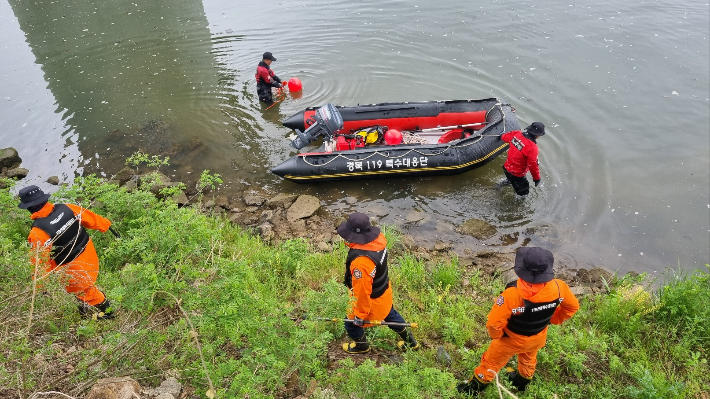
(451, 137)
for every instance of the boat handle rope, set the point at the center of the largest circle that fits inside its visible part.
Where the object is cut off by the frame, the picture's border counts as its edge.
(279, 93)
(479, 138)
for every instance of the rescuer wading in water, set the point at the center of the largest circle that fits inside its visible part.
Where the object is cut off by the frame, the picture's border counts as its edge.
(522, 157)
(59, 238)
(266, 79)
(366, 275)
(518, 321)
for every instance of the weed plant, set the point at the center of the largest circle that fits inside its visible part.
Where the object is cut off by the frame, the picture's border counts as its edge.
(247, 307)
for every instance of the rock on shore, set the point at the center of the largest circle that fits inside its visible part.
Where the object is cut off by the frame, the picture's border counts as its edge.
(477, 228)
(115, 388)
(128, 388)
(10, 165)
(9, 158)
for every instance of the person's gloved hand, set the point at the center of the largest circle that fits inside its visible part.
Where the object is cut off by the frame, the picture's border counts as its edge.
(284, 84)
(537, 182)
(358, 321)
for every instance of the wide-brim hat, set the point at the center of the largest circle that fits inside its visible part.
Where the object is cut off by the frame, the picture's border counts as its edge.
(357, 229)
(31, 196)
(536, 129)
(534, 265)
(269, 56)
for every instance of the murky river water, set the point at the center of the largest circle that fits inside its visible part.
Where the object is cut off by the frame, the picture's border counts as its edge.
(623, 88)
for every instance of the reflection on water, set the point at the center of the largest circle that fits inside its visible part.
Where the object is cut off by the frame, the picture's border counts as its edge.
(623, 90)
(131, 75)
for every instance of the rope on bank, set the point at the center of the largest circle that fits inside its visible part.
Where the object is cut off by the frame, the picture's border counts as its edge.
(211, 393)
(501, 387)
(34, 290)
(37, 394)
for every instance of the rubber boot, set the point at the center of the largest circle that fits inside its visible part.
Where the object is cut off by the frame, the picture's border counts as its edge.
(105, 310)
(408, 342)
(518, 380)
(502, 183)
(358, 346)
(474, 385)
(101, 311)
(84, 308)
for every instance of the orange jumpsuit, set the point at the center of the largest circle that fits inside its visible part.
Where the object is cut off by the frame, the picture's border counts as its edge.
(365, 307)
(82, 271)
(506, 343)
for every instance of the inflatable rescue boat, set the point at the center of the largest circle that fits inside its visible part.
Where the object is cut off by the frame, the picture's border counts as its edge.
(397, 139)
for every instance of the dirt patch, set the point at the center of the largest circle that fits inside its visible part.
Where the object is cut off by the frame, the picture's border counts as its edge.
(595, 277)
(491, 262)
(231, 351)
(377, 355)
(165, 317)
(292, 388)
(477, 228)
(9, 393)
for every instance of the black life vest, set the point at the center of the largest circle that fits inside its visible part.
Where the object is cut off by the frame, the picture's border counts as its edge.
(534, 316)
(68, 236)
(381, 279)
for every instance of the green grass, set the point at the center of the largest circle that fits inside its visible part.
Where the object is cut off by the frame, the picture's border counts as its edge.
(246, 300)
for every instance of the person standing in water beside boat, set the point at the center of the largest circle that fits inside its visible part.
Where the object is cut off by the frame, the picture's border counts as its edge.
(522, 157)
(266, 78)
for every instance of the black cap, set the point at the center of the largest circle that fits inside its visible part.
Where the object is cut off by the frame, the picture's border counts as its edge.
(357, 229)
(31, 196)
(536, 129)
(268, 56)
(534, 265)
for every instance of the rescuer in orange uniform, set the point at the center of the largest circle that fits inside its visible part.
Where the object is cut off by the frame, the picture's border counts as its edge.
(59, 233)
(366, 275)
(518, 321)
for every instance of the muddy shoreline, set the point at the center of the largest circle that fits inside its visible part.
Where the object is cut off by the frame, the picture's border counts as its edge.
(279, 216)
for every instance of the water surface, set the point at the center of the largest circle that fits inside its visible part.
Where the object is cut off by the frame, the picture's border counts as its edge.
(622, 87)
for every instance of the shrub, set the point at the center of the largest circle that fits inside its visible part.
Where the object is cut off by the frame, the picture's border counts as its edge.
(447, 273)
(409, 379)
(409, 272)
(623, 311)
(652, 387)
(186, 283)
(682, 304)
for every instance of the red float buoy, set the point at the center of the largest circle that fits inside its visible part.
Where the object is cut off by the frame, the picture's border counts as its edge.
(393, 137)
(294, 84)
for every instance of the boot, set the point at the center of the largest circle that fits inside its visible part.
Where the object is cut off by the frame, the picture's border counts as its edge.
(359, 346)
(105, 311)
(502, 183)
(408, 342)
(84, 308)
(518, 380)
(474, 385)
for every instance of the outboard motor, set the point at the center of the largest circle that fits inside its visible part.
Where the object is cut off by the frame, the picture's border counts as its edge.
(328, 121)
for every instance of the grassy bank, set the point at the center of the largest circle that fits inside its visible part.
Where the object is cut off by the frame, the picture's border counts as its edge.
(213, 305)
